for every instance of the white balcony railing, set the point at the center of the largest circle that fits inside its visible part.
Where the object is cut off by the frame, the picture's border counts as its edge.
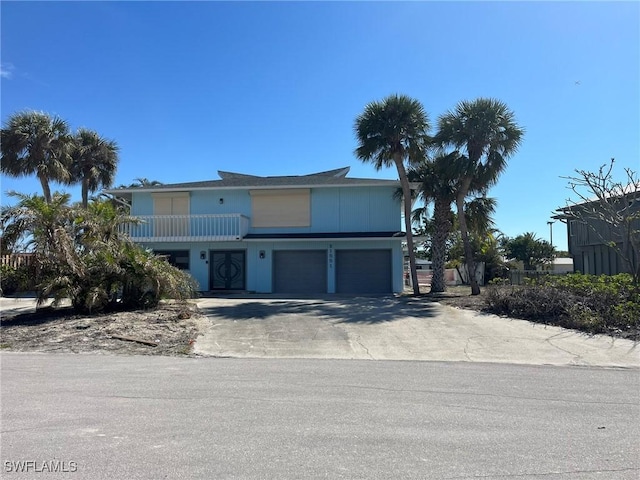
(180, 228)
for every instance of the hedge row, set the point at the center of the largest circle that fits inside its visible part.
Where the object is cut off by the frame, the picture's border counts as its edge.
(594, 304)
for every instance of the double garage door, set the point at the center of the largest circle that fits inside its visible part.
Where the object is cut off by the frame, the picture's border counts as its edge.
(357, 271)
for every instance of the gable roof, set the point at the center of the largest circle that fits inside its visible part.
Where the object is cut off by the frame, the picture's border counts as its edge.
(232, 180)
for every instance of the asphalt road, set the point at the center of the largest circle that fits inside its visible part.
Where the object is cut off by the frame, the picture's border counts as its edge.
(116, 417)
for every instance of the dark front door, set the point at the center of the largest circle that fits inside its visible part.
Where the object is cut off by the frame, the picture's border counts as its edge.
(227, 270)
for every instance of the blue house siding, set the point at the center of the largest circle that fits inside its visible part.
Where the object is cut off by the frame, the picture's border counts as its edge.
(332, 209)
(325, 208)
(348, 210)
(141, 204)
(259, 271)
(208, 202)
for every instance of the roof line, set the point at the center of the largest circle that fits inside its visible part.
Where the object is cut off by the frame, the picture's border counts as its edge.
(338, 172)
(169, 188)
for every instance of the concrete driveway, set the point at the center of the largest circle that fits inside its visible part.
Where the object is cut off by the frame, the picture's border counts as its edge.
(393, 328)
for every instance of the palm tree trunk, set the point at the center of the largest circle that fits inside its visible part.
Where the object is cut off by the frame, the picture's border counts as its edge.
(406, 194)
(464, 232)
(85, 192)
(441, 213)
(46, 191)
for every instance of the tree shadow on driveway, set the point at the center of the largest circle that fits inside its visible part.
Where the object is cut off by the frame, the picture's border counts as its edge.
(339, 309)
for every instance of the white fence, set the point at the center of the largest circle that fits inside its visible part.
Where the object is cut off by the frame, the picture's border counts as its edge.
(16, 260)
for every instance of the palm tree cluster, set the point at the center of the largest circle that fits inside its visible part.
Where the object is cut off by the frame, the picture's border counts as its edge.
(456, 166)
(79, 251)
(81, 255)
(35, 143)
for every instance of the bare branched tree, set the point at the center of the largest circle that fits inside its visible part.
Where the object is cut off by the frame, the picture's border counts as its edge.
(610, 209)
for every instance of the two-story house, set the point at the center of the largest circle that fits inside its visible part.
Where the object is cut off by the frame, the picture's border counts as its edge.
(317, 233)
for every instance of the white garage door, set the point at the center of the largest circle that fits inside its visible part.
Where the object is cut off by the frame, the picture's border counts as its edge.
(300, 271)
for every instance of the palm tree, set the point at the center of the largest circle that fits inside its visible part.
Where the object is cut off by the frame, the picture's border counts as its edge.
(102, 221)
(93, 162)
(486, 133)
(479, 212)
(34, 143)
(44, 225)
(391, 132)
(81, 255)
(144, 182)
(437, 186)
(121, 202)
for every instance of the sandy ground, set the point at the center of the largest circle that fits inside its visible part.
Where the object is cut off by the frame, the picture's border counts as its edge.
(168, 330)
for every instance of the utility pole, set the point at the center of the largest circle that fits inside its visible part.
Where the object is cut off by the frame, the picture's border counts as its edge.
(550, 223)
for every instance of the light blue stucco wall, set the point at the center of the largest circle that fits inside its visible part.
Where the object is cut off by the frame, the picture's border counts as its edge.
(259, 271)
(208, 202)
(141, 204)
(333, 209)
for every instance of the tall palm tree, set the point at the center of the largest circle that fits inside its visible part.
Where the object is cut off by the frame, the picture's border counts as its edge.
(34, 143)
(389, 133)
(437, 186)
(486, 133)
(94, 160)
(439, 179)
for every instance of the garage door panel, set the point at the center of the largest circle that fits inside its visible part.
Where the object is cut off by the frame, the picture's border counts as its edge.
(300, 271)
(363, 271)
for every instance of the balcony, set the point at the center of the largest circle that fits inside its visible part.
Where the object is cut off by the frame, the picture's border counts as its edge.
(188, 228)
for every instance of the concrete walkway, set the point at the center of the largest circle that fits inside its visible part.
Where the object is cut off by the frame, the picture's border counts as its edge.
(393, 328)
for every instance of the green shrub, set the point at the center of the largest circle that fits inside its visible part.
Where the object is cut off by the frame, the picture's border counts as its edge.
(148, 278)
(115, 276)
(596, 304)
(13, 279)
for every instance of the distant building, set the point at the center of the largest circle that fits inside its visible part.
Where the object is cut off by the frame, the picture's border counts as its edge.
(590, 239)
(560, 265)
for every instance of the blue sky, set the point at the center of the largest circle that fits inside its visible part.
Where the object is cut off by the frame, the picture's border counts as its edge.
(188, 88)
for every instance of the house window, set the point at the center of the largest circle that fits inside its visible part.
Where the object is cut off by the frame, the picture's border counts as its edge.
(173, 203)
(177, 258)
(173, 210)
(281, 208)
